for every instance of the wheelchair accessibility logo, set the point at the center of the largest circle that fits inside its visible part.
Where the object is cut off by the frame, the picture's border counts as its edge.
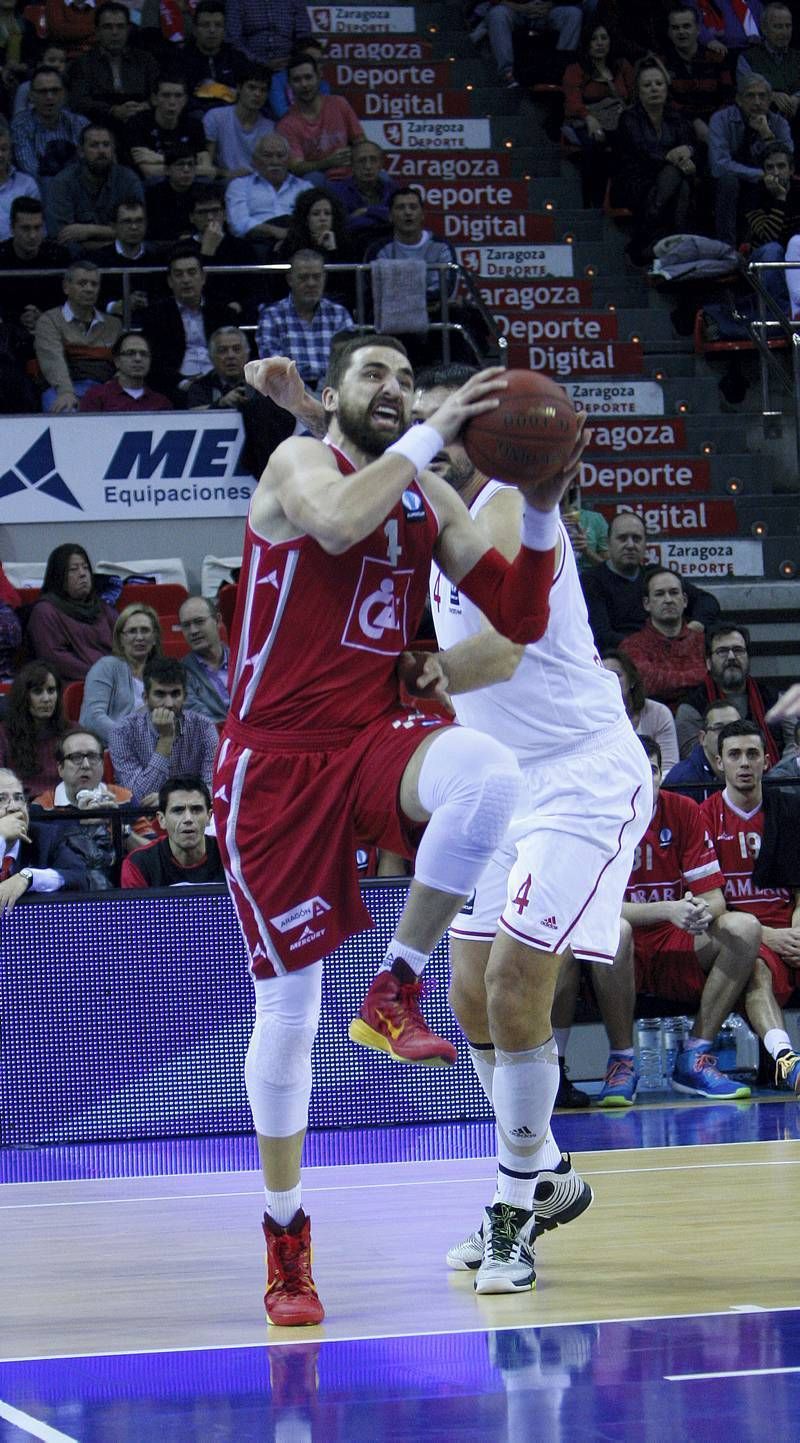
(36, 471)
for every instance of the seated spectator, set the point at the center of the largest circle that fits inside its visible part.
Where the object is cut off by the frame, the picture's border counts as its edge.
(212, 65)
(677, 940)
(319, 223)
(654, 162)
(74, 341)
(32, 723)
(55, 58)
(303, 325)
(149, 137)
(185, 857)
(669, 654)
(32, 858)
(272, 44)
(10, 628)
(647, 717)
(82, 788)
(727, 25)
(132, 250)
(613, 590)
(69, 626)
(320, 128)
(703, 764)
(775, 58)
(126, 391)
(700, 76)
(179, 329)
(112, 82)
(788, 768)
(411, 241)
(170, 201)
(738, 137)
(18, 45)
(162, 739)
(366, 194)
(749, 836)
(82, 200)
(259, 205)
(70, 25)
(535, 17)
(208, 659)
(587, 530)
(28, 250)
(13, 183)
(265, 424)
(280, 91)
(597, 86)
(46, 135)
(114, 687)
(774, 218)
(728, 679)
(233, 131)
(213, 239)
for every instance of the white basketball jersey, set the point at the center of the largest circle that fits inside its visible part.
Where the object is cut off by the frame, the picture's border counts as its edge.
(560, 693)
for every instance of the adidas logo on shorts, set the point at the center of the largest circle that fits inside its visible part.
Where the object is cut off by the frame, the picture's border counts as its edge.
(549, 922)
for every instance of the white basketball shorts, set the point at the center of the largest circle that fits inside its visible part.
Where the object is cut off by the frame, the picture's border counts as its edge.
(558, 879)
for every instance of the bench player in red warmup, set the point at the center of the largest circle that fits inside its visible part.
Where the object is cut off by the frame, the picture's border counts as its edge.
(317, 751)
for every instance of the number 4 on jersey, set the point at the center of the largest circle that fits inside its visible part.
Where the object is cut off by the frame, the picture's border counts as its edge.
(521, 899)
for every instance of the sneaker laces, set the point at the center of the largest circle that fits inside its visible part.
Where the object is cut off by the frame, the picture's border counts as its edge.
(295, 1264)
(784, 1065)
(619, 1071)
(503, 1232)
(406, 1005)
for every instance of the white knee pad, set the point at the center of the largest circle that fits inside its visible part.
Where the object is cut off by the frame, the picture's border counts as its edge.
(277, 1069)
(470, 784)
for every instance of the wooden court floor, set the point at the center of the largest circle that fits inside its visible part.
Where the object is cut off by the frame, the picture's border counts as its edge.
(172, 1263)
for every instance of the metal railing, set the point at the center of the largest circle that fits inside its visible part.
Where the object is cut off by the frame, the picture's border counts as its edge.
(773, 325)
(452, 279)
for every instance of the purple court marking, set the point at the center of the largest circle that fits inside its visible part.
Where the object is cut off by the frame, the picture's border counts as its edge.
(768, 1119)
(570, 1383)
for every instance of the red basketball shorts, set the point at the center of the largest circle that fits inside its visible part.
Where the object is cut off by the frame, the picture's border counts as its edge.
(784, 979)
(288, 822)
(666, 965)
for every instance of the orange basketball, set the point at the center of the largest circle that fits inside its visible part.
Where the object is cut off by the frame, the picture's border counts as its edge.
(529, 436)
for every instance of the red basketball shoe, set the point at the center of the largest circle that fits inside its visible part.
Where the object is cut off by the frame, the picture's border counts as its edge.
(390, 1021)
(291, 1299)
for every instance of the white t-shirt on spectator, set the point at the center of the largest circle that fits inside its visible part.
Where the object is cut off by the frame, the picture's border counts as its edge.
(234, 144)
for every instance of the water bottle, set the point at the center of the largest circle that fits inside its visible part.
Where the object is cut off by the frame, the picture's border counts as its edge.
(725, 1047)
(648, 1054)
(747, 1051)
(674, 1031)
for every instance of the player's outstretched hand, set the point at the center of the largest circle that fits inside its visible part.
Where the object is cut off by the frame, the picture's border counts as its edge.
(546, 495)
(422, 674)
(277, 377)
(479, 394)
(787, 707)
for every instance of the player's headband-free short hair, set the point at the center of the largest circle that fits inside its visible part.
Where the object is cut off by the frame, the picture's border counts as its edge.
(450, 376)
(742, 728)
(183, 784)
(342, 355)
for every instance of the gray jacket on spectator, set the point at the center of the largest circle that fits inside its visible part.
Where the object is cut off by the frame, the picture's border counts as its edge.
(202, 696)
(71, 202)
(108, 695)
(727, 133)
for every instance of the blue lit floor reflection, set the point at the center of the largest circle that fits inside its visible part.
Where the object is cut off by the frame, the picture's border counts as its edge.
(662, 1122)
(564, 1384)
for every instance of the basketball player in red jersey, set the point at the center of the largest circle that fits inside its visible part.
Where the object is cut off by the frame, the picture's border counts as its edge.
(337, 554)
(735, 821)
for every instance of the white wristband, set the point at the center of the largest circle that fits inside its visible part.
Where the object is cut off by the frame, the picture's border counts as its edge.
(419, 445)
(539, 528)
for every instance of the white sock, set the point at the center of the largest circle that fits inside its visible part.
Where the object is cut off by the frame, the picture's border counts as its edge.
(397, 951)
(482, 1059)
(523, 1096)
(549, 1154)
(561, 1034)
(776, 1040)
(282, 1206)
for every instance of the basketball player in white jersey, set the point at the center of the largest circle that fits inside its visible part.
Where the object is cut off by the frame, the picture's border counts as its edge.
(556, 883)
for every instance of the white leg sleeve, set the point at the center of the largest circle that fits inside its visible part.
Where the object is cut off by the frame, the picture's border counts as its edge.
(470, 784)
(277, 1069)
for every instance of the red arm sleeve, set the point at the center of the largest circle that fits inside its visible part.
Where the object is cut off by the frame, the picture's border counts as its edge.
(513, 596)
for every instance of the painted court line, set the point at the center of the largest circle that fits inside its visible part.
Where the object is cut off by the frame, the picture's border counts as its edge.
(736, 1373)
(317, 1335)
(309, 1187)
(33, 1426)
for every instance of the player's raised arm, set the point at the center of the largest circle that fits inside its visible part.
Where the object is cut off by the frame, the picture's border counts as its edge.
(303, 491)
(514, 597)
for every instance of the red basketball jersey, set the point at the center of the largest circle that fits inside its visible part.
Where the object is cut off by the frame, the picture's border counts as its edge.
(316, 637)
(737, 839)
(676, 855)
